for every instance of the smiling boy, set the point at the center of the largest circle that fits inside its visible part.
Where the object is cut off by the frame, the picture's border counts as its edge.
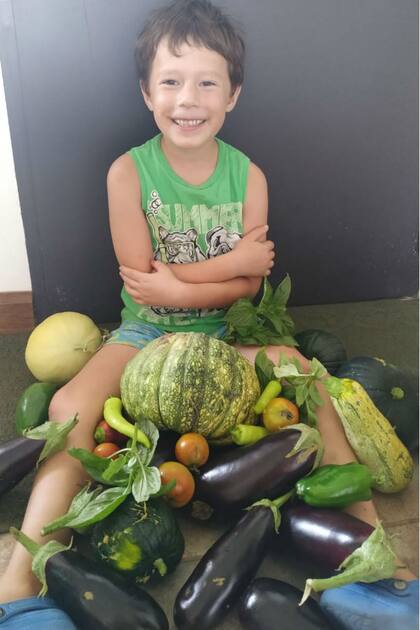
(188, 219)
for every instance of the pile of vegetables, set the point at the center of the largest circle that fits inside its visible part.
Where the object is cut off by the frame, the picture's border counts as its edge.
(161, 448)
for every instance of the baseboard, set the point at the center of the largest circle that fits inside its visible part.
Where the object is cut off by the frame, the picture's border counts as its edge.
(16, 312)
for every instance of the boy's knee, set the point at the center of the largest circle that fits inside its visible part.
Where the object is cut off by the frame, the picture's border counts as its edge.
(62, 405)
(275, 352)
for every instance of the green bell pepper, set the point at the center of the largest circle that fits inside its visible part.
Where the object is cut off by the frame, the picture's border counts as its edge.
(336, 486)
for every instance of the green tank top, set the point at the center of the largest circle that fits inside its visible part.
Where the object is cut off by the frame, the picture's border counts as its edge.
(187, 224)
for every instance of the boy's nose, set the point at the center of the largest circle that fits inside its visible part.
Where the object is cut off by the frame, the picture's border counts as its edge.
(188, 96)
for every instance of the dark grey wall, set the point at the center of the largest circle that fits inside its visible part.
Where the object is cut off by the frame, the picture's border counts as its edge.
(329, 110)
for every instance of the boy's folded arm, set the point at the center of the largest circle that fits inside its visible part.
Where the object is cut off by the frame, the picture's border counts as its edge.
(218, 294)
(251, 256)
(129, 231)
(217, 269)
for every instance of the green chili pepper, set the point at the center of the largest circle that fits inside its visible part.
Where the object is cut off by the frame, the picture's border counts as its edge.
(336, 485)
(271, 390)
(244, 434)
(113, 415)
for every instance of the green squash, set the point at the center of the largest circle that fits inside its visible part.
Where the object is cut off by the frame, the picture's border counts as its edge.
(32, 406)
(191, 382)
(391, 390)
(139, 540)
(322, 345)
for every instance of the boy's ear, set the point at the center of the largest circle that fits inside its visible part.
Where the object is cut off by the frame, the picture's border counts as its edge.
(233, 98)
(146, 96)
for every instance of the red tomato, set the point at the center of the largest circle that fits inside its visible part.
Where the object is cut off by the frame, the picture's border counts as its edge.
(106, 449)
(184, 488)
(105, 433)
(192, 449)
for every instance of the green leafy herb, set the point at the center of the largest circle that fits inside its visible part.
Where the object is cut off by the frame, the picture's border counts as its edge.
(304, 384)
(55, 434)
(88, 508)
(128, 473)
(266, 323)
(264, 368)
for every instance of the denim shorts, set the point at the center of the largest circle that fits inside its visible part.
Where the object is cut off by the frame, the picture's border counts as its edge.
(138, 334)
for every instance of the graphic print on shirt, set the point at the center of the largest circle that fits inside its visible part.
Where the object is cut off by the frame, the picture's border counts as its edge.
(181, 246)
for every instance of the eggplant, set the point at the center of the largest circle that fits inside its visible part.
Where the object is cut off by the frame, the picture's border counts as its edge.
(226, 569)
(268, 603)
(233, 480)
(18, 457)
(165, 448)
(93, 595)
(323, 536)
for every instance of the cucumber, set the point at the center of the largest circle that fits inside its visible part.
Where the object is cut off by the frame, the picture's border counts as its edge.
(32, 406)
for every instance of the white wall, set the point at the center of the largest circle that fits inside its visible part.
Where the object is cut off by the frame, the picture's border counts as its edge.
(14, 269)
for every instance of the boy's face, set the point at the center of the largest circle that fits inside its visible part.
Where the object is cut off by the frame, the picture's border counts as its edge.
(189, 94)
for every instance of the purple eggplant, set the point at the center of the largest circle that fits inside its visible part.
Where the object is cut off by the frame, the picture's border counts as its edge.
(266, 601)
(18, 457)
(234, 479)
(224, 572)
(323, 536)
(94, 596)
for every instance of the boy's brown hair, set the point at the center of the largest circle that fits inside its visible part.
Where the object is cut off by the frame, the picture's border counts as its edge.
(196, 22)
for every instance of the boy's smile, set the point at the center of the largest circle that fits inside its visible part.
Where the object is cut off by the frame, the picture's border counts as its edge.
(189, 95)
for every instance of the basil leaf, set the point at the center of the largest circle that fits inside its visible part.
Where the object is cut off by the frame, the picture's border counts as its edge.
(146, 482)
(300, 395)
(264, 368)
(146, 454)
(267, 296)
(99, 507)
(55, 434)
(95, 466)
(282, 292)
(80, 501)
(114, 467)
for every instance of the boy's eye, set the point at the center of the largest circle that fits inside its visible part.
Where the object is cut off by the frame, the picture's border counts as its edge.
(169, 82)
(208, 83)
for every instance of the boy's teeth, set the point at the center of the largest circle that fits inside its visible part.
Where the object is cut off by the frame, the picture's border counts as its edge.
(188, 123)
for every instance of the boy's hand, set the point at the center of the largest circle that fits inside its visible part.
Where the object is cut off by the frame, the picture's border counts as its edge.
(254, 256)
(159, 288)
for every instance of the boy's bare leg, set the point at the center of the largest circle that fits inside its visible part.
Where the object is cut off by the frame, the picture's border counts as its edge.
(61, 476)
(337, 450)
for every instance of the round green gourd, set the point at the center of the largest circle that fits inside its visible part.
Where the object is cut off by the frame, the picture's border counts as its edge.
(322, 345)
(391, 390)
(191, 382)
(139, 540)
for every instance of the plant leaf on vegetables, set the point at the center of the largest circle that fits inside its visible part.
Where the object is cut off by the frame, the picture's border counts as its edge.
(304, 384)
(146, 482)
(264, 368)
(55, 434)
(96, 467)
(263, 324)
(41, 554)
(88, 508)
(374, 560)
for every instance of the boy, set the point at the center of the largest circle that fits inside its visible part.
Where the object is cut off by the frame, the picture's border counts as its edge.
(188, 218)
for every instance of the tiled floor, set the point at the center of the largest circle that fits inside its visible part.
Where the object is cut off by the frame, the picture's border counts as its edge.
(383, 328)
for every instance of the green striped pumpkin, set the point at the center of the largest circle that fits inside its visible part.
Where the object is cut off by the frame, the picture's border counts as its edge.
(190, 382)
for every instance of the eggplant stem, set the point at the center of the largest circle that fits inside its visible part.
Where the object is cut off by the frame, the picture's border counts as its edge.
(285, 497)
(25, 541)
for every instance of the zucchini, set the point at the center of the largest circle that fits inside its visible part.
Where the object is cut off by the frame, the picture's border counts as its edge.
(371, 436)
